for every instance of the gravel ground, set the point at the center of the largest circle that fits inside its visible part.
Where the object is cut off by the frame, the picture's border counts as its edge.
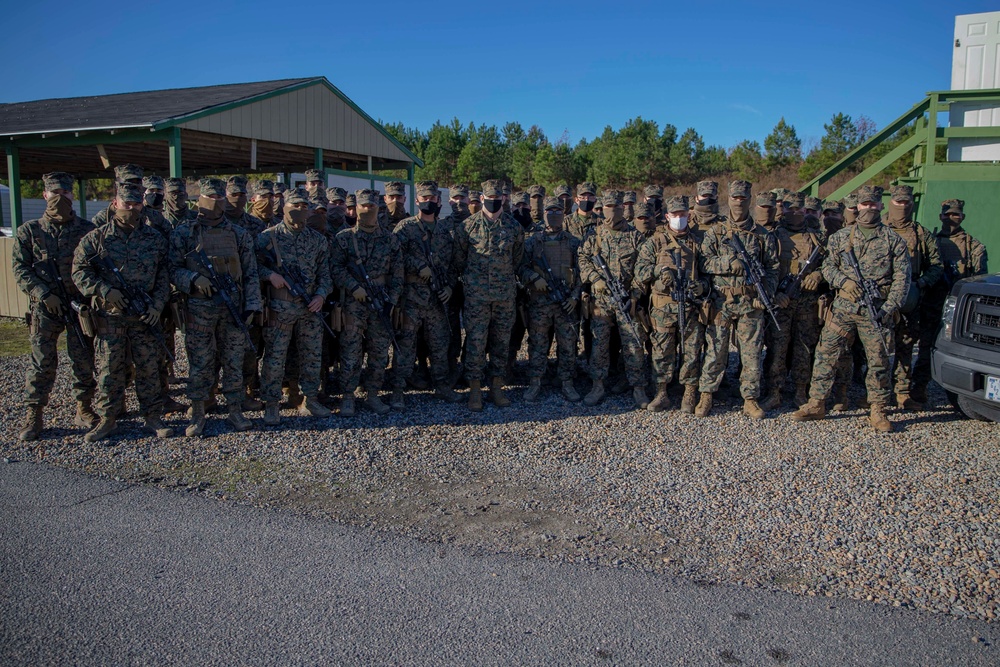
(832, 508)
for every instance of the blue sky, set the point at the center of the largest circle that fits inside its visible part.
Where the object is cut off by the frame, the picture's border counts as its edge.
(730, 70)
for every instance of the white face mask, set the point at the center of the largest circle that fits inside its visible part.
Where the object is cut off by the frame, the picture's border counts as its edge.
(678, 224)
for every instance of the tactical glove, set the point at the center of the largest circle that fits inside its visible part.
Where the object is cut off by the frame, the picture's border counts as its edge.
(887, 317)
(151, 317)
(53, 304)
(541, 284)
(736, 267)
(569, 305)
(600, 287)
(811, 282)
(115, 299)
(359, 294)
(426, 274)
(444, 296)
(203, 285)
(781, 300)
(851, 291)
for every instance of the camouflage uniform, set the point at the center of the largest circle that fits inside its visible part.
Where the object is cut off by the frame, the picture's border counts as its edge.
(654, 197)
(736, 304)
(459, 213)
(582, 223)
(628, 206)
(36, 241)
(175, 198)
(926, 271)
(705, 215)
(397, 210)
(278, 201)
(132, 173)
(537, 195)
(565, 196)
(141, 257)
(644, 220)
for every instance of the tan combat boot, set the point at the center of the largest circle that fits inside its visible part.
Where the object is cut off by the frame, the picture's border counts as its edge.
(476, 395)
(311, 407)
(801, 393)
(569, 391)
(374, 403)
(85, 415)
(813, 410)
(103, 429)
(154, 422)
(534, 388)
(496, 393)
(640, 398)
(197, 423)
(907, 402)
(32, 424)
(690, 399)
(249, 402)
(661, 401)
(596, 393)
(237, 420)
(840, 402)
(272, 415)
(704, 404)
(347, 405)
(752, 409)
(446, 393)
(773, 399)
(397, 401)
(878, 420)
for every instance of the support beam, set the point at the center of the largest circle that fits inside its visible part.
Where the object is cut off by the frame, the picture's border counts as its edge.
(372, 186)
(14, 180)
(318, 160)
(174, 144)
(878, 167)
(413, 189)
(82, 197)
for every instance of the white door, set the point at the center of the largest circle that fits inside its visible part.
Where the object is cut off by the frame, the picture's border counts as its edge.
(975, 65)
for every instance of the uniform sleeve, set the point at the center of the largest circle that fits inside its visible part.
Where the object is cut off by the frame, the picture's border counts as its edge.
(180, 276)
(933, 270)
(410, 248)
(832, 268)
(900, 273)
(517, 251)
(161, 283)
(526, 272)
(396, 274)
(645, 263)
(23, 261)
(324, 279)
(461, 249)
(589, 272)
(86, 279)
(251, 278)
(261, 245)
(715, 258)
(769, 258)
(977, 259)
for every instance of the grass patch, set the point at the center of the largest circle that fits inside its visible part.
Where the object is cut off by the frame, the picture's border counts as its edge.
(13, 337)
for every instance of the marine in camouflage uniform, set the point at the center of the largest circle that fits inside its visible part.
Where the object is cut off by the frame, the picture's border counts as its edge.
(559, 250)
(372, 247)
(521, 211)
(133, 173)
(212, 336)
(583, 222)
(316, 182)
(705, 212)
(175, 202)
(537, 207)
(926, 271)
(644, 220)
(629, 199)
(459, 200)
(489, 247)
(395, 201)
(565, 195)
(654, 197)
(617, 242)
(798, 310)
(668, 256)
(53, 236)
(736, 303)
(278, 200)
(139, 252)
(852, 361)
(291, 245)
(962, 256)
(427, 246)
(883, 258)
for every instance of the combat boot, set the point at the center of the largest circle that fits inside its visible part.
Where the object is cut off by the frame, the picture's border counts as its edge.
(773, 399)
(249, 402)
(85, 415)
(374, 403)
(32, 424)
(446, 393)
(496, 393)
(213, 399)
(197, 423)
(569, 391)
(840, 401)
(621, 386)
(103, 429)
(919, 393)
(311, 407)
(476, 395)
(237, 420)
(690, 399)
(878, 420)
(293, 398)
(907, 402)
(347, 404)
(170, 405)
(154, 423)
(863, 402)
(813, 410)
(640, 398)
(596, 393)
(534, 388)
(752, 409)
(704, 404)
(661, 401)
(801, 393)
(272, 415)
(397, 401)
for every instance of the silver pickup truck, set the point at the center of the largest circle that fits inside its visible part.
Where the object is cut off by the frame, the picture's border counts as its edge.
(965, 360)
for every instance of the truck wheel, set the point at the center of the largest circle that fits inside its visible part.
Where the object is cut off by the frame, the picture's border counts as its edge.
(968, 408)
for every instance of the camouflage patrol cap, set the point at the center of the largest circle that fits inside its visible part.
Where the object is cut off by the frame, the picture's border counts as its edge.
(428, 188)
(319, 200)
(212, 187)
(952, 206)
(236, 185)
(129, 192)
(766, 199)
(351, 200)
(629, 197)
(533, 191)
(612, 198)
(152, 182)
(296, 196)
(814, 203)
(868, 194)
(653, 191)
(644, 210)
(492, 188)
(476, 194)
(506, 190)
(337, 194)
(562, 191)
(781, 193)
(795, 199)
(127, 172)
(740, 189)
(553, 202)
(259, 187)
(901, 193)
(833, 205)
(520, 198)
(280, 188)
(175, 185)
(367, 196)
(850, 201)
(57, 180)
(460, 190)
(395, 188)
(586, 188)
(315, 175)
(676, 204)
(708, 189)
(599, 204)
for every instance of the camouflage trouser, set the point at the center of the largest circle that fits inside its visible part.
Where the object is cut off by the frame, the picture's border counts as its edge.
(212, 340)
(906, 334)
(749, 329)
(487, 330)
(41, 375)
(113, 347)
(543, 315)
(433, 322)
(251, 361)
(162, 362)
(800, 329)
(456, 305)
(664, 339)
(363, 334)
(604, 318)
(290, 321)
(836, 338)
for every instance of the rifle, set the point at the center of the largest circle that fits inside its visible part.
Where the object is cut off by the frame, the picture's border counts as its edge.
(754, 274)
(137, 302)
(869, 293)
(619, 297)
(223, 289)
(680, 292)
(296, 281)
(790, 284)
(557, 287)
(51, 273)
(377, 299)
